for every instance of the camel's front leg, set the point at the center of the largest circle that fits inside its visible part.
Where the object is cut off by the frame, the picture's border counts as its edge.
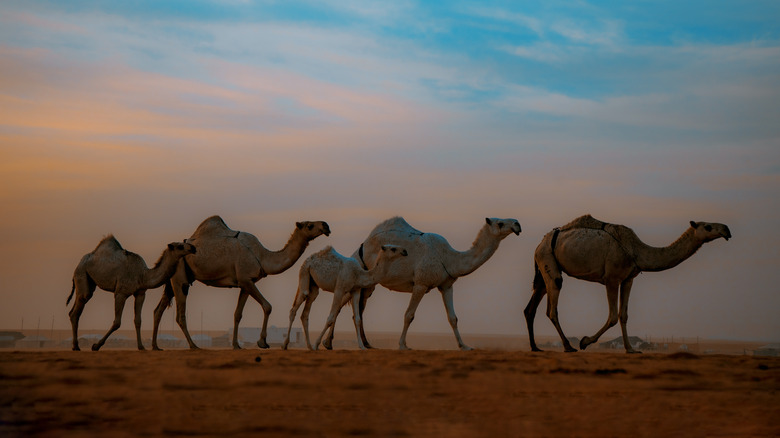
(119, 305)
(335, 308)
(181, 313)
(139, 304)
(250, 288)
(418, 292)
(612, 300)
(446, 295)
(625, 291)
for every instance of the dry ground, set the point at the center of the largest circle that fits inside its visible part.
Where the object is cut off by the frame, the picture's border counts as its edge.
(386, 393)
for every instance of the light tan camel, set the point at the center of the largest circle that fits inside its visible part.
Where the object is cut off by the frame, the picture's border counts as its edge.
(432, 262)
(124, 273)
(227, 258)
(345, 277)
(609, 254)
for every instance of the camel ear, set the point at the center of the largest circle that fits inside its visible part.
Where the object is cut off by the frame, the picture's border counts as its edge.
(299, 225)
(694, 224)
(170, 246)
(488, 221)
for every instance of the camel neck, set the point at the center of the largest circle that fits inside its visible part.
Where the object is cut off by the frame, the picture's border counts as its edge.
(275, 262)
(461, 263)
(659, 259)
(161, 272)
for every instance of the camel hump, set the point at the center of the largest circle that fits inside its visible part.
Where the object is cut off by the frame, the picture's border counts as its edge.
(213, 226)
(396, 224)
(110, 242)
(585, 221)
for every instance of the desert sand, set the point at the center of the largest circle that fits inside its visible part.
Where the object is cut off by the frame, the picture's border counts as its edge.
(385, 392)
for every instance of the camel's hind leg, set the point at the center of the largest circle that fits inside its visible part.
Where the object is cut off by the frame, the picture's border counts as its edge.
(84, 288)
(119, 306)
(553, 282)
(540, 290)
(365, 294)
(299, 299)
(612, 300)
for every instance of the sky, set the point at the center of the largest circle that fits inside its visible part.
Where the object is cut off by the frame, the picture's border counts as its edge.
(143, 118)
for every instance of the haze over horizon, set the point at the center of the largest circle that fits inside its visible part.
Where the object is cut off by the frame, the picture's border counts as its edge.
(142, 119)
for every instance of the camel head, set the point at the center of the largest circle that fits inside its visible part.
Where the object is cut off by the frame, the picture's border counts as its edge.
(709, 231)
(181, 248)
(394, 251)
(502, 227)
(313, 229)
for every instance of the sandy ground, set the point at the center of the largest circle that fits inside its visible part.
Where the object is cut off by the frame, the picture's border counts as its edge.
(386, 393)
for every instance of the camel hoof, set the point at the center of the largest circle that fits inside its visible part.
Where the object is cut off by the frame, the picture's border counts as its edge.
(584, 342)
(156, 348)
(95, 347)
(194, 347)
(570, 350)
(536, 349)
(465, 348)
(76, 349)
(633, 352)
(262, 344)
(236, 347)
(141, 348)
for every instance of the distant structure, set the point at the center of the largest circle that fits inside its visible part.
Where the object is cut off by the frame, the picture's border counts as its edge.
(8, 339)
(771, 350)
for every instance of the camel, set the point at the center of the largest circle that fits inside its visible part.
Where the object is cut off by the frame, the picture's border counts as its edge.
(432, 263)
(345, 277)
(612, 255)
(227, 258)
(113, 269)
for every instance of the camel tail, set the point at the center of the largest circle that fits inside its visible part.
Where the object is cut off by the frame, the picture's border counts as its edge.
(72, 289)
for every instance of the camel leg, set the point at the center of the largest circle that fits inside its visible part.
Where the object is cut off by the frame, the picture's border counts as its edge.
(417, 294)
(84, 290)
(250, 288)
(327, 342)
(242, 297)
(356, 318)
(165, 302)
(553, 282)
(365, 294)
(335, 308)
(446, 295)
(625, 291)
(181, 313)
(139, 304)
(313, 293)
(540, 290)
(612, 300)
(119, 306)
(299, 299)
